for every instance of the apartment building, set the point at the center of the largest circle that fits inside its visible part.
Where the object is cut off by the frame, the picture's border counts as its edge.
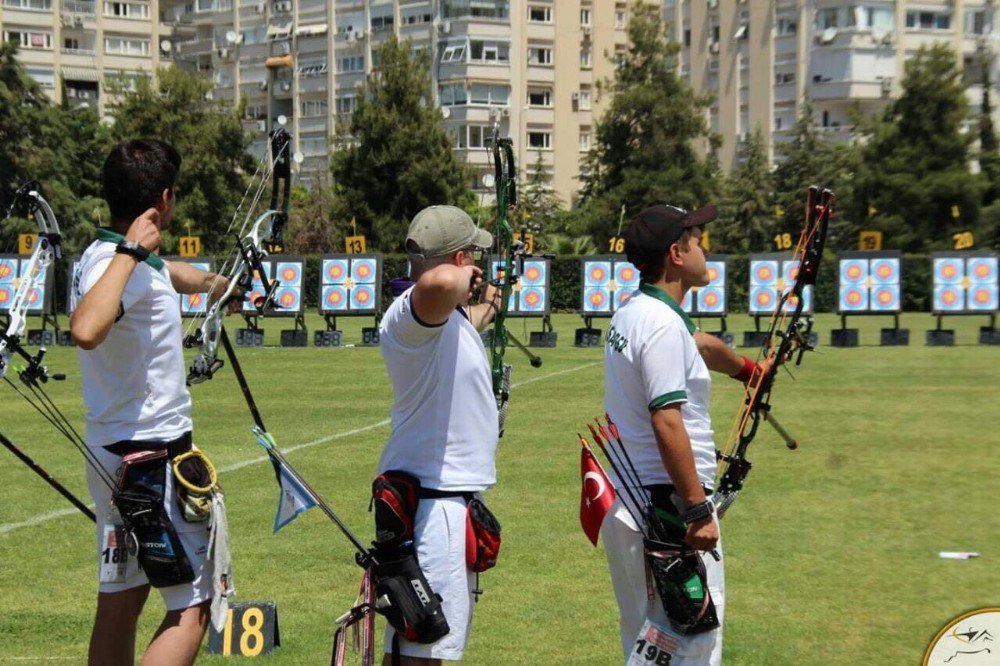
(70, 47)
(530, 65)
(762, 59)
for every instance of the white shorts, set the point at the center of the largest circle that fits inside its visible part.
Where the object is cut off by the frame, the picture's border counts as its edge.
(623, 547)
(439, 532)
(193, 536)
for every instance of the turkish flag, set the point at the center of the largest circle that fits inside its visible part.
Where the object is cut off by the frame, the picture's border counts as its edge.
(596, 495)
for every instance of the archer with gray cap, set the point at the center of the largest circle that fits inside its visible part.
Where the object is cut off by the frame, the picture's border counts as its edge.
(657, 386)
(444, 414)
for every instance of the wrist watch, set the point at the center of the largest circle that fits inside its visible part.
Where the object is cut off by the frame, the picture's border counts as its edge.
(697, 512)
(133, 249)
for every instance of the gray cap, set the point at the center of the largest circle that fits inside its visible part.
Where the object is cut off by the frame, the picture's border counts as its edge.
(440, 230)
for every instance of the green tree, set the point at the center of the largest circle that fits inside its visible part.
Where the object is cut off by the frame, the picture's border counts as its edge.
(540, 205)
(311, 228)
(747, 204)
(808, 159)
(989, 157)
(178, 108)
(395, 158)
(60, 147)
(915, 169)
(644, 150)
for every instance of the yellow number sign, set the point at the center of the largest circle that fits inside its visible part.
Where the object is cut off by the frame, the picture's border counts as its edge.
(190, 246)
(529, 243)
(356, 244)
(783, 241)
(963, 240)
(26, 243)
(870, 240)
(251, 630)
(616, 245)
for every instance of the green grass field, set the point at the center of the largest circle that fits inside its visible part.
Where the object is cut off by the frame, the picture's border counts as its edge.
(832, 550)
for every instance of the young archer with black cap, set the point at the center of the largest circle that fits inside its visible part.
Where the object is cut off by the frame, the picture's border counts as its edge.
(657, 388)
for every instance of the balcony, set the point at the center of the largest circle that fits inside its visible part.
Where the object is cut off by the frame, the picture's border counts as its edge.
(849, 90)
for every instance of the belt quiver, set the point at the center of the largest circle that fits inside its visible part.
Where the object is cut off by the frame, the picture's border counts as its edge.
(402, 593)
(150, 536)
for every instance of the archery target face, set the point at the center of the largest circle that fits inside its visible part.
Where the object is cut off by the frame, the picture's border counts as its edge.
(289, 274)
(363, 271)
(686, 302)
(335, 298)
(597, 299)
(763, 299)
(885, 271)
(711, 300)
(983, 298)
(791, 302)
(763, 273)
(532, 300)
(716, 273)
(853, 298)
(948, 271)
(597, 273)
(193, 304)
(534, 274)
(334, 271)
(885, 298)
(363, 297)
(949, 298)
(983, 270)
(287, 298)
(626, 276)
(256, 292)
(8, 270)
(853, 271)
(6, 295)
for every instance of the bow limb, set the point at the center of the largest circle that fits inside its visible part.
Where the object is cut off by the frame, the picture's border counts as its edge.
(788, 333)
(507, 273)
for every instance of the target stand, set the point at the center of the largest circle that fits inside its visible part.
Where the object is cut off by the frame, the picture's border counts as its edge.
(964, 283)
(349, 286)
(772, 274)
(870, 285)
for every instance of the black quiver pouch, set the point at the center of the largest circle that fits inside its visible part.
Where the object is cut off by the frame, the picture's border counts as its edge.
(682, 584)
(150, 536)
(402, 593)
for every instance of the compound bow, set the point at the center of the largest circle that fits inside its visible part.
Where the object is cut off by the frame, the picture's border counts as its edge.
(509, 255)
(34, 375)
(789, 333)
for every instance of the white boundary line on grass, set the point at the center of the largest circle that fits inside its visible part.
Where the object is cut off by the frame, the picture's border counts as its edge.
(52, 515)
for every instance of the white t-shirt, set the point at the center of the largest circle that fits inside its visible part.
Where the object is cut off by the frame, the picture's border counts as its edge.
(134, 382)
(651, 360)
(444, 414)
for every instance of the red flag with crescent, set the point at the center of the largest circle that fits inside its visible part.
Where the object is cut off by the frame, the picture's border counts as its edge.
(596, 495)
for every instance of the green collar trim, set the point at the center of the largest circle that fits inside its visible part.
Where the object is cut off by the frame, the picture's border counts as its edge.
(109, 236)
(664, 297)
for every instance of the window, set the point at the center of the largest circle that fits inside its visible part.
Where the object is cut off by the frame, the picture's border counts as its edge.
(585, 15)
(126, 46)
(977, 22)
(878, 18)
(539, 14)
(453, 53)
(928, 20)
(489, 52)
(255, 35)
(312, 68)
(347, 64)
(37, 5)
(452, 94)
(583, 98)
(540, 97)
(539, 55)
(785, 26)
(538, 139)
(784, 77)
(620, 17)
(346, 104)
(586, 58)
(687, 37)
(584, 139)
(130, 10)
(459, 137)
(777, 123)
(496, 94)
(827, 18)
(312, 108)
(28, 40)
(479, 136)
(380, 23)
(44, 76)
(71, 44)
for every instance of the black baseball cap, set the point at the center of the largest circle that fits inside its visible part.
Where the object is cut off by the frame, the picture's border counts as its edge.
(658, 227)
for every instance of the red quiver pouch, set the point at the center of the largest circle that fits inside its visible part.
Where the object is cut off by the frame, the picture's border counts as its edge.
(482, 537)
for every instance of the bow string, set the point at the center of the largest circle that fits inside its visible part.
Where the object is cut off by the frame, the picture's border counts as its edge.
(787, 338)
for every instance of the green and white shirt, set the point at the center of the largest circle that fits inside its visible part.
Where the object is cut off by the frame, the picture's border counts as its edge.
(650, 361)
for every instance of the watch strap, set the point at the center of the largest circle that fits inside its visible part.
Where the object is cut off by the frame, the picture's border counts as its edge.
(697, 512)
(110, 236)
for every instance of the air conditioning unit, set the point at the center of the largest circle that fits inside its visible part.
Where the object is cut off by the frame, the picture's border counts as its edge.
(262, 85)
(713, 47)
(576, 97)
(286, 85)
(359, 34)
(350, 37)
(77, 21)
(223, 53)
(261, 125)
(445, 27)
